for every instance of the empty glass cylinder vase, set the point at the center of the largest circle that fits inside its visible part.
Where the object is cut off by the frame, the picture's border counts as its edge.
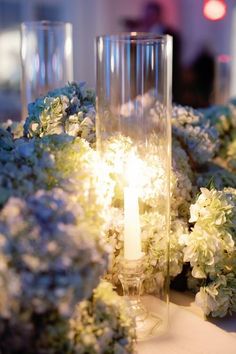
(46, 57)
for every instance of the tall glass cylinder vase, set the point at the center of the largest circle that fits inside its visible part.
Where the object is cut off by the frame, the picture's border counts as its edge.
(47, 59)
(134, 85)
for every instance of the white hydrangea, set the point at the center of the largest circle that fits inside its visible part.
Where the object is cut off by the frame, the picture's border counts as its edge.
(213, 208)
(219, 297)
(210, 242)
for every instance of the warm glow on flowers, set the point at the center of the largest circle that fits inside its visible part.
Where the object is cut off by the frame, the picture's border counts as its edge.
(103, 324)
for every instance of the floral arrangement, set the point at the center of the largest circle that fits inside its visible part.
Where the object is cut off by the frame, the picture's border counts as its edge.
(52, 249)
(203, 246)
(56, 233)
(210, 245)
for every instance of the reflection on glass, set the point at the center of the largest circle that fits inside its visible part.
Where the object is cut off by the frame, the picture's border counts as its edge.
(222, 79)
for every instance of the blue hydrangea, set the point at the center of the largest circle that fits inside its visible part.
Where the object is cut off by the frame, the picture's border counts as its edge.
(69, 109)
(53, 254)
(196, 134)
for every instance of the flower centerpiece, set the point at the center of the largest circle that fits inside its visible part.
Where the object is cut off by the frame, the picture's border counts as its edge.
(55, 234)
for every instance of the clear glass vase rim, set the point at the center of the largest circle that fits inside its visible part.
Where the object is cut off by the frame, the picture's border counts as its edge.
(44, 24)
(134, 36)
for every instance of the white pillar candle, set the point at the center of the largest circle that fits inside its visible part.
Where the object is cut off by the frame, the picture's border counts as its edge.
(132, 231)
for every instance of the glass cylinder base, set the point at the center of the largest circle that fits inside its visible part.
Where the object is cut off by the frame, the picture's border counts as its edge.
(131, 277)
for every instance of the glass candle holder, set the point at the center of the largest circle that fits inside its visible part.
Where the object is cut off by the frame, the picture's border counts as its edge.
(46, 57)
(134, 85)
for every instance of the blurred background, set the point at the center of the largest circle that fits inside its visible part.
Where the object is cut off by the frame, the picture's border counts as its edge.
(204, 32)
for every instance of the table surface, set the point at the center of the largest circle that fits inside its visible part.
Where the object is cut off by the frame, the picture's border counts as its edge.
(190, 333)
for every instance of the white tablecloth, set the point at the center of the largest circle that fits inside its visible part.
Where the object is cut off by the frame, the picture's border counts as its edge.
(189, 333)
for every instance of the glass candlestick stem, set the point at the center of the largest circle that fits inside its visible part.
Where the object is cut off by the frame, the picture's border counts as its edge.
(131, 277)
